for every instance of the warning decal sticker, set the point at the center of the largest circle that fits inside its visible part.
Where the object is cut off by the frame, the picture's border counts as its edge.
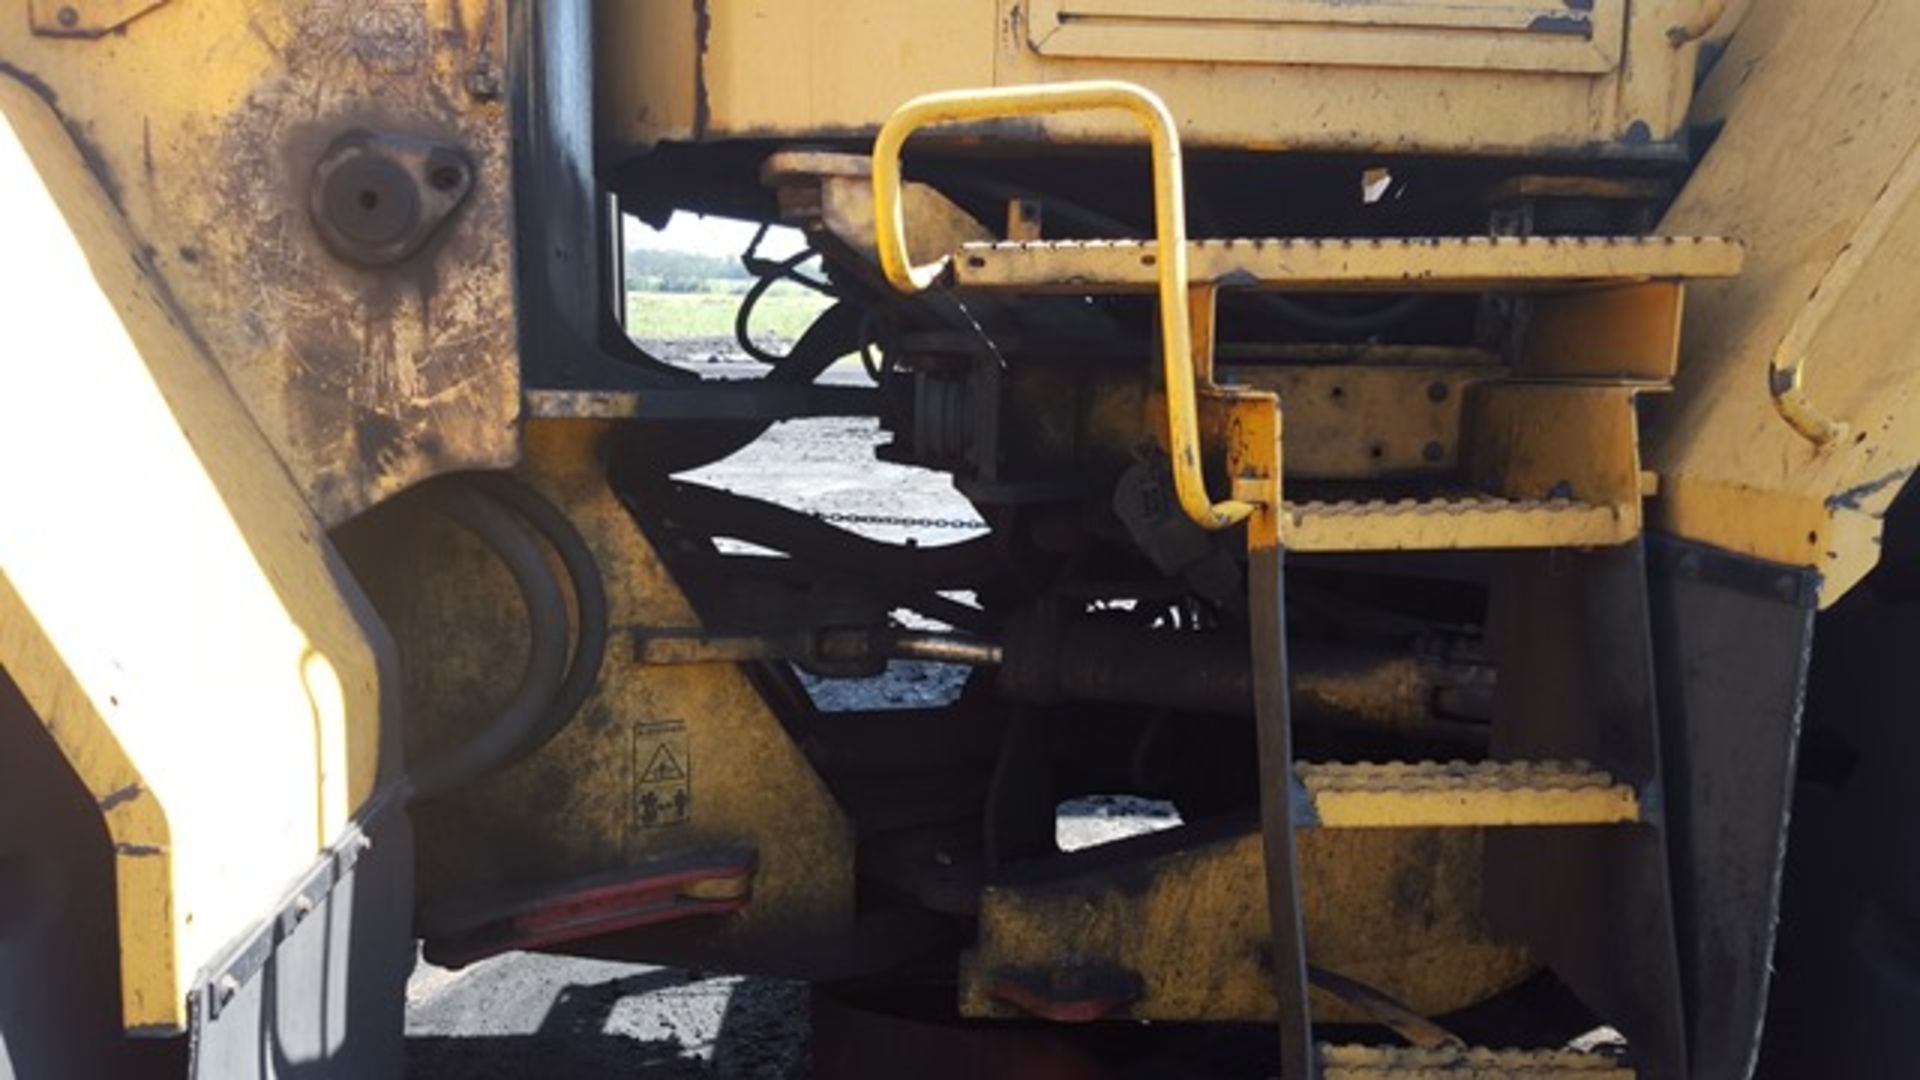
(663, 774)
(663, 767)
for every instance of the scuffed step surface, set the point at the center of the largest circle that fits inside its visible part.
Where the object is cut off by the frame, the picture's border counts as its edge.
(1457, 263)
(1470, 1063)
(1454, 524)
(1458, 794)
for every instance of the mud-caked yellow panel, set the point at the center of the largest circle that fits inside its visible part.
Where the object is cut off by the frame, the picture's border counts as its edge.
(1397, 910)
(168, 606)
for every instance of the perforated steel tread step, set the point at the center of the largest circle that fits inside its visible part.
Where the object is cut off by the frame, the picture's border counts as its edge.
(1458, 794)
(1460, 264)
(1455, 524)
(1471, 1063)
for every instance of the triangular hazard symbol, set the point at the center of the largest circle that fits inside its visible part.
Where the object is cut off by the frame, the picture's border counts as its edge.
(664, 766)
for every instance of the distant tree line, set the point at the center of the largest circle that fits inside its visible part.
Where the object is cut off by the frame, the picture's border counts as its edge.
(680, 271)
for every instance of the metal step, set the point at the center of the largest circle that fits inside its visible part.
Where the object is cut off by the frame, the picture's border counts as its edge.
(1457, 264)
(1467, 1063)
(1455, 524)
(1458, 794)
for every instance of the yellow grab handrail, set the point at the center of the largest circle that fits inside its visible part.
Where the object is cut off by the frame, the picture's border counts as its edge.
(1787, 374)
(1170, 226)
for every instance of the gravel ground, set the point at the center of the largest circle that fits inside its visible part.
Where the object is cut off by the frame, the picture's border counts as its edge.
(555, 1018)
(525, 1016)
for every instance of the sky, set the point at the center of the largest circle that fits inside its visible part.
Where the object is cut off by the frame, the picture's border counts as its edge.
(712, 236)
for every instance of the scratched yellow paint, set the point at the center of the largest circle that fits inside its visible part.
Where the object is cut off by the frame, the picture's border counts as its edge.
(203, 119)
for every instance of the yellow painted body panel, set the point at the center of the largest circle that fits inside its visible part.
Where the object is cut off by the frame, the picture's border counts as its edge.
(204, 119)
(1815, 173)
(1332, 409)
(1197, 931)
(1518, 76)
(168, 605)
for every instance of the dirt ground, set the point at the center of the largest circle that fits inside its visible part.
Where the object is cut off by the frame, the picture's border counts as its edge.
(555, 1018)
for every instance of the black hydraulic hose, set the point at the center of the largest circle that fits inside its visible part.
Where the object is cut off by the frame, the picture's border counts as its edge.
(786, 269)
(589, 601)
(515, 544)
(674, 447)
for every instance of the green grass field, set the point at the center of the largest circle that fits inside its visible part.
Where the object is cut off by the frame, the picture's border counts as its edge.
(781, 315)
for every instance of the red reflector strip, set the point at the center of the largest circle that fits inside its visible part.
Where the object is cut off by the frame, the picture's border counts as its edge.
(605, 907)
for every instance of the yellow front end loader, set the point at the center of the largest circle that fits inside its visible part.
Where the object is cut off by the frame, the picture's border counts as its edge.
(1452, 453)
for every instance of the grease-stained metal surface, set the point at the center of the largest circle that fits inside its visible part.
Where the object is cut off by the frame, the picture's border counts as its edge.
(377, 199)
(662, 763)
(1397, 910)
(204, 120)
(1592, 78)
